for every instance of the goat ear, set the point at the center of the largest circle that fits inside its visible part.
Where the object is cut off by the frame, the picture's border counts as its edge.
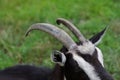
(58, 57)
(97, 38)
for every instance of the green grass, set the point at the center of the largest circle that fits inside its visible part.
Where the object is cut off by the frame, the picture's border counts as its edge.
(90, 16)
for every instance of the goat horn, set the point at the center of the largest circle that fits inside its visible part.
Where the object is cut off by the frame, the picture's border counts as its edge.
(71, 27)
(61, 35)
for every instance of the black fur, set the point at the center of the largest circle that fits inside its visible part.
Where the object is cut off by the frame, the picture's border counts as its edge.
(25, 72)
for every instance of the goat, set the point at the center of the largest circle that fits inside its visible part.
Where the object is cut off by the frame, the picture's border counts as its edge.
(75, 61)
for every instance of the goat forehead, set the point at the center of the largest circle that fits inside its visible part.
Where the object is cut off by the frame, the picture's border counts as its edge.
(89, 50)
(86, 48)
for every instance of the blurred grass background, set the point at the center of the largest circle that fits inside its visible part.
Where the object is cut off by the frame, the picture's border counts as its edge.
(90, 16)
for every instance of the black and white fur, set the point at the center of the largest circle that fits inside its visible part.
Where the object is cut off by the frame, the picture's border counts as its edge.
(82, 62)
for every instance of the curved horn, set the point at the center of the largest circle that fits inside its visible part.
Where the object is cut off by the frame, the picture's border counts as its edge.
(54, 31)
(70, 26)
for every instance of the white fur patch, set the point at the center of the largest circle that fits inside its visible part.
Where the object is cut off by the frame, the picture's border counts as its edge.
(100, 56)
(88, 69)
(87, 48)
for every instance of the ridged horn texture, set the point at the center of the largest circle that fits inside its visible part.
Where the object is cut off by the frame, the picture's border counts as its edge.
(71, 27)
(61, 35)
